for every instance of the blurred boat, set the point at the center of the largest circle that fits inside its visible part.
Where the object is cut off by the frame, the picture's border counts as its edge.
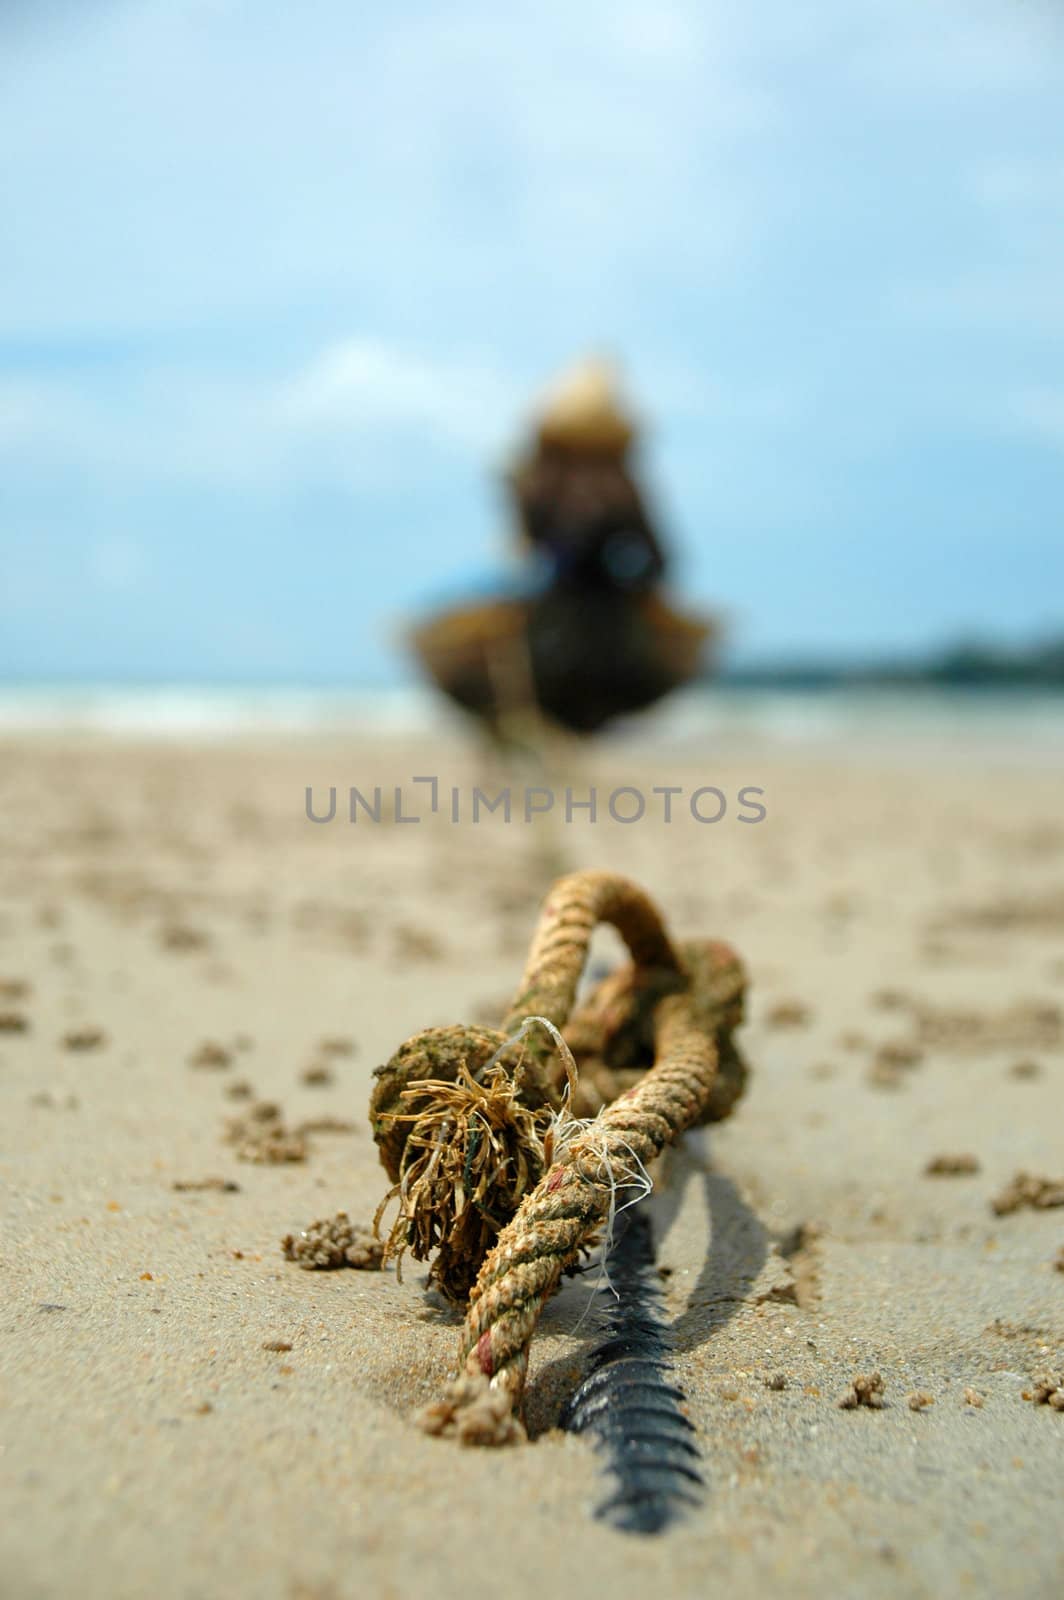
(598, 640)
(560, 656)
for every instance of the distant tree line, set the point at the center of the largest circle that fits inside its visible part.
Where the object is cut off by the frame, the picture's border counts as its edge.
(967, 664)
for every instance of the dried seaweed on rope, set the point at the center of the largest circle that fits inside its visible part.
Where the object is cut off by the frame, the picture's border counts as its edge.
(473, 1151)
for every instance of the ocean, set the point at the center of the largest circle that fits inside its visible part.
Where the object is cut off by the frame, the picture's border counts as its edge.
(933, 723)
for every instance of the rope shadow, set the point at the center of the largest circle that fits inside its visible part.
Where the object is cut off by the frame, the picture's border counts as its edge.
(739, 1247)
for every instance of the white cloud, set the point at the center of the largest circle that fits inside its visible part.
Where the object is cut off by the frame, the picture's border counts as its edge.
(364, 385)
(172, 164)
(163, 420)
(356, 413)
(316, 241)
(353, 414)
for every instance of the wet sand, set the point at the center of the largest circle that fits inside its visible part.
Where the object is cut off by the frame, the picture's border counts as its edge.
(186, 1413)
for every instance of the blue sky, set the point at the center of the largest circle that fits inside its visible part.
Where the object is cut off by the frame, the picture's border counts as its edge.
(277, 283)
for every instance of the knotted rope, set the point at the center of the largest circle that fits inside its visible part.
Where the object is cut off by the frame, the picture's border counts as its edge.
(508, 1174)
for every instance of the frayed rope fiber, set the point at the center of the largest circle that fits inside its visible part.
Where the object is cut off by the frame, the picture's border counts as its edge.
(506, 1148)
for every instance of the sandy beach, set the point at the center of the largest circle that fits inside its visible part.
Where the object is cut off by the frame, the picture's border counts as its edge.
(185, 1413)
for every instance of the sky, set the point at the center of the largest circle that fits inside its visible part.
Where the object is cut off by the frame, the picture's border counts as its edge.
(278, 284)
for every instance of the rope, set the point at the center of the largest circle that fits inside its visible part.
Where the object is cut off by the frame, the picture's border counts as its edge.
(575, 1197)
(496, 1172)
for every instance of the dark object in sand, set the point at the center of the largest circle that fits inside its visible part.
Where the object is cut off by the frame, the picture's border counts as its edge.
(626, 1404)
(788, 1014)
(1048, 1390)
(175, 936)
(337, 1045)
(1040, 1194)
(205, 1185)
(327, 1125)
(211, 1055)
(961, 1165)
(334, 1242)
(87, 1038)
(260, 1136)
(865, 1390)
(318, 1075)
